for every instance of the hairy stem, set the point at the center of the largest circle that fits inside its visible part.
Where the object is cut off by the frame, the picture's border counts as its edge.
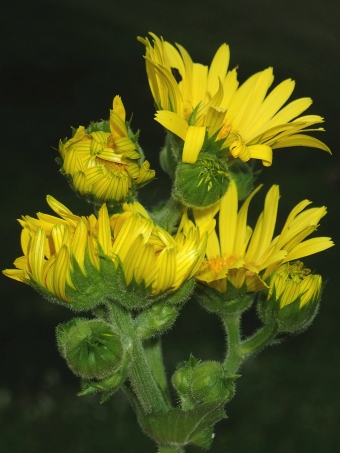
(142, 380)
(153, 351)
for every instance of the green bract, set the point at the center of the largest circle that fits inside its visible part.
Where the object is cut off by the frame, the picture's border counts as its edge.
(201, 184)
(91, 348)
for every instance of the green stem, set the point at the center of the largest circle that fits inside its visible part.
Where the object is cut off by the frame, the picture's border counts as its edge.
(140, 375)
(153, 351)
(238, 350)
(231, 324)
(258, 341)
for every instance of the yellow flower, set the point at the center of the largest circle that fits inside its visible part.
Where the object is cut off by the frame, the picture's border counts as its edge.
(103, 162)
(293, 298)
(291, 282)
(62, 255)
(241, 255)
(249, 122)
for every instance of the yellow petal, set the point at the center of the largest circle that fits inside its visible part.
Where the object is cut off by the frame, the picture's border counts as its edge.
(263, 152)
(119, 108)
(61, 273)
(193, 144)
(309, 247)
(269, 220)
(242, 235)
(270, 106)
(166, 262)
(301, 140)
(228, 220)
(292, 110)
(36, 255)
(218, 68)
(173, 122)
(199, 83)
(104, 231)
(79, 243)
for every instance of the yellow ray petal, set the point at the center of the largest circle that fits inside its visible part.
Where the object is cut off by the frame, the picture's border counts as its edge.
(309, 247)
(301, 140)
(228, 220)
(218, 68)
(173, 122)
(193, 144)
(242, 236)
(263, 152)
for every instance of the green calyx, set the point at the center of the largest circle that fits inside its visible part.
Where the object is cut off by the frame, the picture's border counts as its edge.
(292, 318)
(161, 316)
(234, 300)
(209, 382)
(201, 184)
(181, 381)
(91, 348)
(107, 386)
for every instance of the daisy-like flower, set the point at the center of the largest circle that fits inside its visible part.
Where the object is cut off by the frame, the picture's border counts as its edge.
(208, 103)
(67, 256)
(104, 162)
(241, 255)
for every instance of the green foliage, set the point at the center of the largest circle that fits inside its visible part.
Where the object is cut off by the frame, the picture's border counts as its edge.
(183, 427)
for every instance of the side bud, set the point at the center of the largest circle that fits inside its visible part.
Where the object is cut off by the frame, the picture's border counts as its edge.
(156, 320)
(91, 348)
(107, 386)
(209, 383)
(201, 184)
(181, 380)
(293, 298)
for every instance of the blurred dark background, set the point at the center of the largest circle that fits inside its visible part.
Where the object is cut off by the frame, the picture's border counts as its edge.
(61, 64)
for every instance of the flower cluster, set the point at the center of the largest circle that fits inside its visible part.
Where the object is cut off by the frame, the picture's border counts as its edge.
(55, 247)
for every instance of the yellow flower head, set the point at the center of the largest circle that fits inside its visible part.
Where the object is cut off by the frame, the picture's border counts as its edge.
(103, 162)
(293, 298)
(65, 254)
(291, 281)
(209, 102)
(237, 253)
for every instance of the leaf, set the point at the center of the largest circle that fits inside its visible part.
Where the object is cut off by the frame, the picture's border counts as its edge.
(180, 427)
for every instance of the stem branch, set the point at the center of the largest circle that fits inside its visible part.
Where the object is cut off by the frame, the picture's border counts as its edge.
(140, 375)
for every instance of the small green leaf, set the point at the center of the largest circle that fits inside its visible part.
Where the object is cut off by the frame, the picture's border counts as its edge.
(179, 427)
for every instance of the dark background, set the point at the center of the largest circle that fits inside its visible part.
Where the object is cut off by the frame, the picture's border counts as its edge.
(61, 64)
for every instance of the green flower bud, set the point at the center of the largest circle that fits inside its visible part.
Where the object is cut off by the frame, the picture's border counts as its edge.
(181, 380)
(201, 184)
(91, 348)
(293, 298)
(156, 320)
(108, 386)
(209, 383)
